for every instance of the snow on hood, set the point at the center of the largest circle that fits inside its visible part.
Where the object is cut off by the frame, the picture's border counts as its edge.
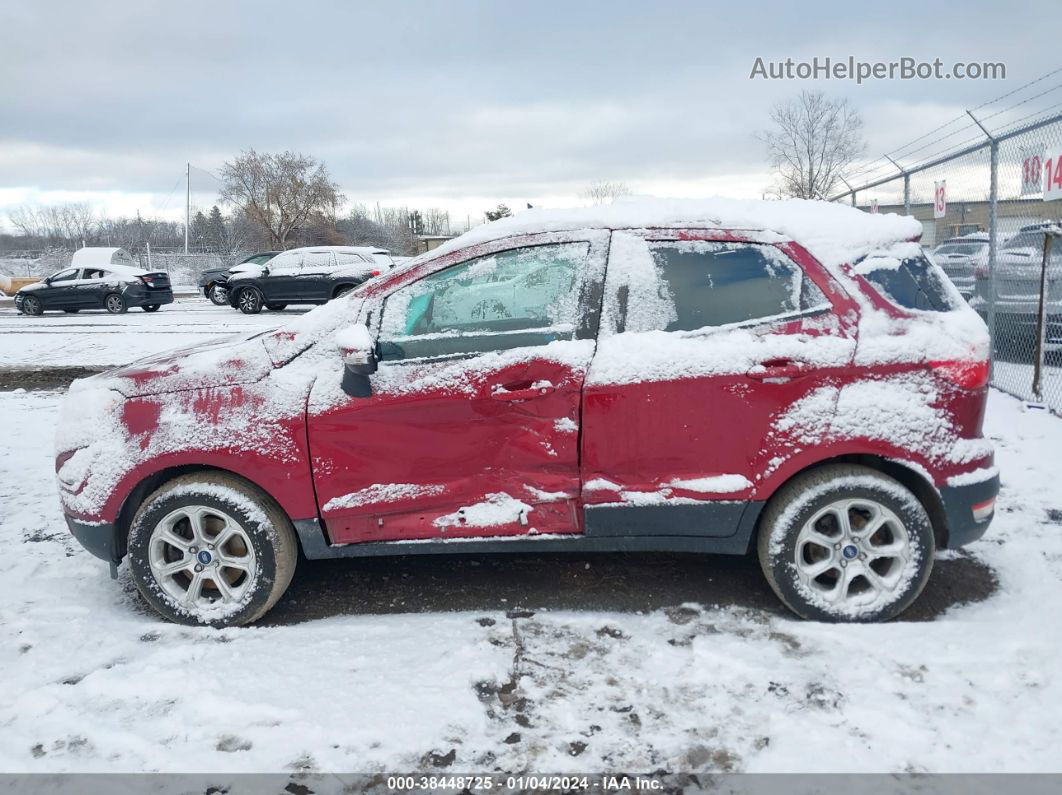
(834, 233)
(238, 359)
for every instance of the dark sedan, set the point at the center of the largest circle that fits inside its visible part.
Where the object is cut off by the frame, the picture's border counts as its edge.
(115, 288)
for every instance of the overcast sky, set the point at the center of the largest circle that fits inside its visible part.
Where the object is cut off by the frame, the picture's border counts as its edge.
(462, 104)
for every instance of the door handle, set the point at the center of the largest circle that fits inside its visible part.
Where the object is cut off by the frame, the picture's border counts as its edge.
(521, 391)
(778, 370)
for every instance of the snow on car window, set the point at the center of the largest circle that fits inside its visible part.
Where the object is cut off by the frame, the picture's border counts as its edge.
(907, 278)
(688, 285)
(527, 288)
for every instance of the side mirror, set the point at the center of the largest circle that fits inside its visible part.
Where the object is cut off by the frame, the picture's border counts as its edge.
(356, 346)
(265, 270)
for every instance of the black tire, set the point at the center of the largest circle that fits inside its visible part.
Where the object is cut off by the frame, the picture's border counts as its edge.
(31, 305)
(71, 311)
(250, 300)
(218, 295)
(905, 525)
(258, 520)
(276, 307)
(151, 307)
(342, 289)
(115, 304)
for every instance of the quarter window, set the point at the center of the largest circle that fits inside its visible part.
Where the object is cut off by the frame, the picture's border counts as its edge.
(512, 298)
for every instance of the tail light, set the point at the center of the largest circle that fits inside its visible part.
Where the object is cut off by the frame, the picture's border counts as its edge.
(148, 280)
(968, 375)
(373, 273)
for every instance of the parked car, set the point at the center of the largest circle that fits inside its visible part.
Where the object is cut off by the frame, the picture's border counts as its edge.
(794, 378)
(114, 287)
(213, 280)
(310, 275)
(1019, 263)
(960, 257)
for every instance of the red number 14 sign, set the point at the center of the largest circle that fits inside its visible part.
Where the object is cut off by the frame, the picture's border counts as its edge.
(1053, 175)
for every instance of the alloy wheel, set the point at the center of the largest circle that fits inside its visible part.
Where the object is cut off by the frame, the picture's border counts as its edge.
(201, 556)
(854, 553)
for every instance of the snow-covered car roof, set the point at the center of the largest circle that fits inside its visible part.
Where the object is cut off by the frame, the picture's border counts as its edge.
(101, 257)
(120, 270)
(336, 249)
(834, 233)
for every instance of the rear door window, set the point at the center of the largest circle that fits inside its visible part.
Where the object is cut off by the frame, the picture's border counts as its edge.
(708, 284)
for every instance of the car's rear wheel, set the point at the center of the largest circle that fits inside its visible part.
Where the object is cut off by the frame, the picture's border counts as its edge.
(846, 543)
(250, 300)
(151, 307)
(218, 295)
(115, 304)
(31, 305)
(209, 548)
(342, 289)
(276, 307)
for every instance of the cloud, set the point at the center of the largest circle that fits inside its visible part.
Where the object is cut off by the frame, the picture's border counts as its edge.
(457, 102)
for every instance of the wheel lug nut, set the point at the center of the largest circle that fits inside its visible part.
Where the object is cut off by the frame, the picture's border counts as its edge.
(198, 567)
(193, 550)
(836, 546)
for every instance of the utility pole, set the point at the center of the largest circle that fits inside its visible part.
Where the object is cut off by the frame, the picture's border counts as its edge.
(187, 201)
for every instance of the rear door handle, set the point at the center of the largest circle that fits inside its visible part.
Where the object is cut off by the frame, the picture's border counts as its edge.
(778, 370)
(522, 391)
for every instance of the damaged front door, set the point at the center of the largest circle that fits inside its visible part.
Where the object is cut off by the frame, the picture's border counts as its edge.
(472, 426)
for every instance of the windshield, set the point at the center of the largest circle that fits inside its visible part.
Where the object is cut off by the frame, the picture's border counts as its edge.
(258, 259)
(960, 248)
(1026, 240)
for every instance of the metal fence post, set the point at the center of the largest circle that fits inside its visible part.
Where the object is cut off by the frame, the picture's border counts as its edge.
(993, 218)
(906, 193)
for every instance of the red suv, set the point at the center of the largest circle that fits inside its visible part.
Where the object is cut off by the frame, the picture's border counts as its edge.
(794, 378)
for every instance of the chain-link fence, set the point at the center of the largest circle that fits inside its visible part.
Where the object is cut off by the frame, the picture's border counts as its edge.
(984, 210)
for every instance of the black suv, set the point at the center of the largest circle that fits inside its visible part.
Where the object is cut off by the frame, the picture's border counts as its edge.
(213, 280)
(111, 287)
(310, 275)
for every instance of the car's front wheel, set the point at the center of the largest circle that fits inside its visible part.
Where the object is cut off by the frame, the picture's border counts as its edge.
(209, 548)
(115, 304)
(31, 305)
(250, 301)
(846, 543)
(218, 295)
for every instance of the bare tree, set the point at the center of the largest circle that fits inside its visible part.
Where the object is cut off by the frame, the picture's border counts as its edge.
(604, 192)
(280, 192)
(813, 142)
(73, 223)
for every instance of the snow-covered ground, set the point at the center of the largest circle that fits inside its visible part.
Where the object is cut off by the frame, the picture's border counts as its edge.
(94, 682)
